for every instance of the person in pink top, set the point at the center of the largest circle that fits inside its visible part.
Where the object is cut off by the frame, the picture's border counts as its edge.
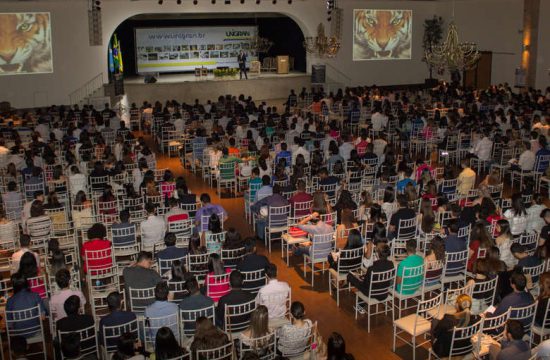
(57, 301)
(217, 287)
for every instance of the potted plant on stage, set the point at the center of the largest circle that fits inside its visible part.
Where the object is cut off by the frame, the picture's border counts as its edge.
(433, 34)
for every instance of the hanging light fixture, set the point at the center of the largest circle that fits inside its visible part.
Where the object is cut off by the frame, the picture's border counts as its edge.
(453, 55)
(322, 45)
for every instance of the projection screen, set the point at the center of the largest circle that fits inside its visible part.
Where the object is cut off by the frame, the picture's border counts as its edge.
(25, 43)
(382, 34)
(186, 48)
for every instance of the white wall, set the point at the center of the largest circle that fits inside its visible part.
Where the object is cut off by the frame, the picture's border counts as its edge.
(543, 54)
(493, 24)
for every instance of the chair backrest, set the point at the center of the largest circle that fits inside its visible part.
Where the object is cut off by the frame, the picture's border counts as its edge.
(382, 283)
(198, 265)
(485, 291)
(224, 352)
(455, 263)
(180, 227)
(124, 235)
(433, 275)
(460, 343)
(231, 257)
(98, 261)
(139, 299)
(188, 319)
(88, 341)
(412, 279)
(407, 228)
(277, 216)
(253, 281)
(265, 346)
(205, 219)
(110, 334)
(529, 240)
(427, 309)
(302, 208)
(217, 285)
(350, 259)
(165, 265)
(534, 272)
(237, 317)
(26, 322)
(525, 314)
(151, 326)
(321, 246)
(494, 325)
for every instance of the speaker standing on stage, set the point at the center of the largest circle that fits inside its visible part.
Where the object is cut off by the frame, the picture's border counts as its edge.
(242, 64)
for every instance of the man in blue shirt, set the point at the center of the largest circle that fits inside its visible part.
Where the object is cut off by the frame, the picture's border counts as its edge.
(116, 317)
(130, 230)
(266, 189)
(162, 308)
(275, 200)
(284, 154)
(171, 252)
(402, 184)
(195, 301)
(518, 298)
(524, 259)
(24, 299)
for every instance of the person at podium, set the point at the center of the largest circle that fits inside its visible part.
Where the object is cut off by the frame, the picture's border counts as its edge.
(242, 64)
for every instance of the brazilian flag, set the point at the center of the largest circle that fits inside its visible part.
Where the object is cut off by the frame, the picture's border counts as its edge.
(117, 55)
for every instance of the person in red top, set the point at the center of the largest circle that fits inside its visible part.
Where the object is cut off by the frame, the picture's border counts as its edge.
(96, 241)
(431, 193)
(479, 239)
(175, 213)
(300, 196)
(216, 288)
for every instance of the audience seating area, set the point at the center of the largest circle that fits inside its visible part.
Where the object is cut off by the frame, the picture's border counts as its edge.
(423, 209)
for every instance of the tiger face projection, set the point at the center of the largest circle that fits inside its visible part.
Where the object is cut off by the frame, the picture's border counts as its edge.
(382, 34)
(25, 43)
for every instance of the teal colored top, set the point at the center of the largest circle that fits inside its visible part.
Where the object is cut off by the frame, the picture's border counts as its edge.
(411, 283)
(254, 181)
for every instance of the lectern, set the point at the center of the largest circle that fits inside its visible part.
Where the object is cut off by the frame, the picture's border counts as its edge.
(282, 64)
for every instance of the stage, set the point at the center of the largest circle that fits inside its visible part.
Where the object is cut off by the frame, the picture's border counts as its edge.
(188, 87)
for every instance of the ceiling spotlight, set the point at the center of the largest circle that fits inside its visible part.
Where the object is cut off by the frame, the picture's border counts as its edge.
(257, 2)
(160, 2)
(178, 2)
(274, 2)
(289, 2)
(329, 19)
(213, 2)
(195, 2)
(242, 1)
(227, 2)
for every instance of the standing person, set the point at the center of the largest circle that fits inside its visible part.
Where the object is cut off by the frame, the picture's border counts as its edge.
(242, 65)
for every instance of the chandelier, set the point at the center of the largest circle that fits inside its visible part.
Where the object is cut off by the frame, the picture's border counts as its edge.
(453, 55)
(262, 45)
(322, 45)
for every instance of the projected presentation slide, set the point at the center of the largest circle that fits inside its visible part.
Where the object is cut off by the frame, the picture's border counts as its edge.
(382, 34)
(26, 43)
(186, 48)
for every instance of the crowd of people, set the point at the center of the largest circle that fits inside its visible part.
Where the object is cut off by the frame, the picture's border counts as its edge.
(407, 179)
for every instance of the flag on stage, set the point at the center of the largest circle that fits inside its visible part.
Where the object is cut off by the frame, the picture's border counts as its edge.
(117, 53)
(111, 60)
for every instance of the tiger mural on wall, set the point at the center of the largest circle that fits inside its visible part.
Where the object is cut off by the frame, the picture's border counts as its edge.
(382, 34)
(25, 43)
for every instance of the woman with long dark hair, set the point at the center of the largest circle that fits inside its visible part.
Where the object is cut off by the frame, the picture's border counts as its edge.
(336, 348)
(166, 345)
(214, 288)
(479, 239)
(517, 215)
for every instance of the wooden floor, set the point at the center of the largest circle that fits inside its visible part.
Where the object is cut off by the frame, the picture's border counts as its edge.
(320, 306)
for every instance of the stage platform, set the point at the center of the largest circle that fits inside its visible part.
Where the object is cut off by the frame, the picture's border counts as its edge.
(188, 87)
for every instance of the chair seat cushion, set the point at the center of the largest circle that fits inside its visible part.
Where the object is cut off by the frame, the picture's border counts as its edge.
(407, 324)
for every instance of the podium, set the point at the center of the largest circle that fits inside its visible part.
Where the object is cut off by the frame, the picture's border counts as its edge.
(282, 64)
(255, 66)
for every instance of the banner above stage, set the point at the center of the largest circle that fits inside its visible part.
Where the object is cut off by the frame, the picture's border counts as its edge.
(186, 48)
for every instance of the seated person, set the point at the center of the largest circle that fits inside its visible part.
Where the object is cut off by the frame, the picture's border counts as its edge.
(294, 337)
(162, 308)
(236, 296)
(23, 299)
(116, 317)
(442, 330)
(96, 241)
(252, 262)
(518, 298)
(512, 346)
(196, 300)
(171, 252)
(354, 241)
(405, 286)
(57, 301)
(378, 266)
(274, 296)
(315, 227)
(207, 336)
(74, 321)
(216, 288)
(124, 223)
